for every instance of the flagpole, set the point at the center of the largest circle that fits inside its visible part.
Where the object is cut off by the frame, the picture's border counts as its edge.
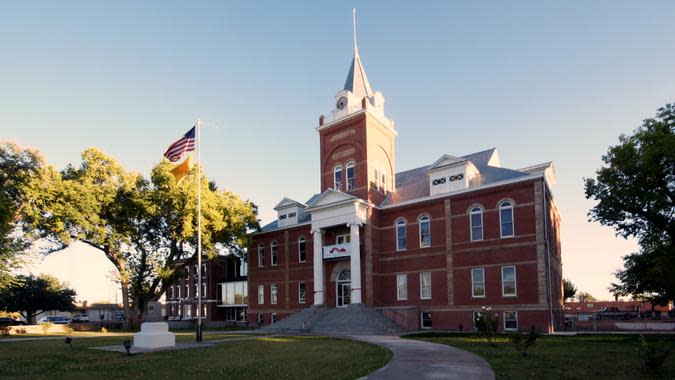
(199, 232)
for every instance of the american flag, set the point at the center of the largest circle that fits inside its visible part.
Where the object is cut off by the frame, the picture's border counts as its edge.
(183, 145)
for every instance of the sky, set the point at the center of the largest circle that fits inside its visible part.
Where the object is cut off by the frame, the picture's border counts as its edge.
(541, 82)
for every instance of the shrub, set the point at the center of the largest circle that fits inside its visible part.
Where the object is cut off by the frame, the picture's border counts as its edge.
(523, 341)
(104, 330)
(487, 323)
(4, 330)
(69, 330)
(653, 355)
(46, 327)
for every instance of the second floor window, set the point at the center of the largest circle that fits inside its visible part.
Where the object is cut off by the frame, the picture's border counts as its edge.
(273, 294)
(261, 294)
(337, 178)
(425, 232)
(509, 281)
(506, 219)
(476, 217)
(477, 282)
(425, 285)
(302, 250)
(351, 176)
(261, 255)
(400, 235)
(402, 287)
(273, 253)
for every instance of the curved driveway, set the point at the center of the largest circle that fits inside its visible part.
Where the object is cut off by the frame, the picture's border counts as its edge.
(416, 359)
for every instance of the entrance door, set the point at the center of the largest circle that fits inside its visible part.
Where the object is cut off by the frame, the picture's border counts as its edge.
(343, 289)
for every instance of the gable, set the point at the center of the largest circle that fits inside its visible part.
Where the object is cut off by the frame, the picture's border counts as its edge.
(445, 161)
(331, 196)
(287, 202)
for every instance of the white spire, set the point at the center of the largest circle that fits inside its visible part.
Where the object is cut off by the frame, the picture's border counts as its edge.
(357, 80)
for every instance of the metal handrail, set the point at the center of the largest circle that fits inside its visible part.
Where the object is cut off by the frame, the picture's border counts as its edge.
(311, 318)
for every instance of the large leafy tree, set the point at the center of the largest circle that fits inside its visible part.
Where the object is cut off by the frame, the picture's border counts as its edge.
(569, 289)
(635, 191)
(23, 177)
(31, 295)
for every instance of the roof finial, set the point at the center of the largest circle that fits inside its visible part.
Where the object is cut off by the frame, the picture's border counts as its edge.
(356, 49)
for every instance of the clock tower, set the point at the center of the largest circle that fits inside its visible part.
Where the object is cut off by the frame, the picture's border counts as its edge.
(357, 139)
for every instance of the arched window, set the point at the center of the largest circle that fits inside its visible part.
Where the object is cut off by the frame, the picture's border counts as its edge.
(337, 178)
(302, 249)
(351, 175)
(273, 253)
(425, 231)
(476, 217)
(506, 219)
(400, 235)
(344, 276)
(261, 255)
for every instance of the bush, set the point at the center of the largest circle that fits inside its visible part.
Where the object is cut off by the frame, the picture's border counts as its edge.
(104, 330)
(487, 323)
(523, 341)
(653, 355)
(69, 330)
(46, 327)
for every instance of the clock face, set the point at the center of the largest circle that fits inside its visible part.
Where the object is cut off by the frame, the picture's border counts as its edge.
(342, 102)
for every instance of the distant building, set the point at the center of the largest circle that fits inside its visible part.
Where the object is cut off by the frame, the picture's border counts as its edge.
(224, 291)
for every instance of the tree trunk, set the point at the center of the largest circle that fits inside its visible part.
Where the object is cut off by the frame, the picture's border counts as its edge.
(125, 304)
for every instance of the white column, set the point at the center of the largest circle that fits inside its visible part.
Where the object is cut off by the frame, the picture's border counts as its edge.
(355, 262)
(318, 268)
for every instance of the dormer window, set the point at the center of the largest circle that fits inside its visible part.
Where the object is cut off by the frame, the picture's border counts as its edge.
(351, 175)
(282, 217)
(457, 177)
(337, 178)
(291, 215)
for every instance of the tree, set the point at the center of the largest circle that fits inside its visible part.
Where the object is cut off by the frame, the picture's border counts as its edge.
(569, 290)
(23, 172)
(635, 191)
(31, 295)
(585, 297)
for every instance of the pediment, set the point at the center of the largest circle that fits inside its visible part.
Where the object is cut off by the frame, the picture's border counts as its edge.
(445, 161)
(329, 197)
(287, 202)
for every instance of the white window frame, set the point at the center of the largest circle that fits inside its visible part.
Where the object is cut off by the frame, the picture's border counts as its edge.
(515, 313)
(274, 294)
(473, 288)
(302, 293)
(337, 185)
(478, 211)
(346, 239)
(348, 186)
(515, 282)
(178, 291)
(399, 284)
(261, 294)
(422, 320)
(274, 253)
(261, 256)
(405, 233)
(302, 239)
(274, 318)
(204, 289)
(419, 230)
(422, 297)
(510, 207)
(187, 290)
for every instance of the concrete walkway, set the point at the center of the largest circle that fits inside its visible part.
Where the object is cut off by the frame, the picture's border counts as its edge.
(415, 359)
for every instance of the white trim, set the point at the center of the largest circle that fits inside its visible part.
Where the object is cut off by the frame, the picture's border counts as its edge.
(513, 217)
(515, 282)
(504, 320)
(473, 295)
(471, 214)
(405, 233)
(419, 230)
(398, 295)
(422, 297)
(346, 239)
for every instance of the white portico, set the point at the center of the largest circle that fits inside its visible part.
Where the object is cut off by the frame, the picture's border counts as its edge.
(333, 208)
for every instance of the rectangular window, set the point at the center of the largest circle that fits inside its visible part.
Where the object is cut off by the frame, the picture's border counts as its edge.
(343, 239)
(302, 250)
(402, 287)
(425, 232)
(425, 285)
(169, 292)
(261, 294)
(178, 291)
(274, 318)
(261, 318)
(273, 254)
(261, 256)
(509, 281)
(476, 224)
(511, 320)
(203, 270)
(476, 316)
(187, 291)
(301, 292)
(273, 294)
(400, 235)
(203, 289)
(425, 320)
(478, 282)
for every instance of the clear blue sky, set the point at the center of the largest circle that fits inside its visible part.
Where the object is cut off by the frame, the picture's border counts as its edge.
(541, 82)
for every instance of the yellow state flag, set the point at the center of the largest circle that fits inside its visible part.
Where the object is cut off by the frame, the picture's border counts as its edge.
(182, 169)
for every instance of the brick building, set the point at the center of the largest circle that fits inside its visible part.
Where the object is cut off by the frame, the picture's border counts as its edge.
(224, 291)
(428, 247)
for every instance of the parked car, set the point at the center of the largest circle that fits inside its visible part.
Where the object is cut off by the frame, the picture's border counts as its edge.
(57, 320)
(81, 318)
(8, 321)
(615, 313)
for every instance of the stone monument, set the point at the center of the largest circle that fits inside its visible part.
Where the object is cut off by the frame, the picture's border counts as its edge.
(154, 335)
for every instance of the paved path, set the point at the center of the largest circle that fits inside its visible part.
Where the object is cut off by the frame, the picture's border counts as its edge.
(415, 359)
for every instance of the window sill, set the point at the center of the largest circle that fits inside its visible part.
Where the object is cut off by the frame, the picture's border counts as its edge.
(478, 297)
(509, 296)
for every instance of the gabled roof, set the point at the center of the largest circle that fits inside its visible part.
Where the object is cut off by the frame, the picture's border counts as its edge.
(288, 202)
(329, 197)
(445, 161)
(303, 217)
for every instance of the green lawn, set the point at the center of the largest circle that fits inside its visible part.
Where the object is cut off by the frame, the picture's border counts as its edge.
(564, 357)
(260, 358)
